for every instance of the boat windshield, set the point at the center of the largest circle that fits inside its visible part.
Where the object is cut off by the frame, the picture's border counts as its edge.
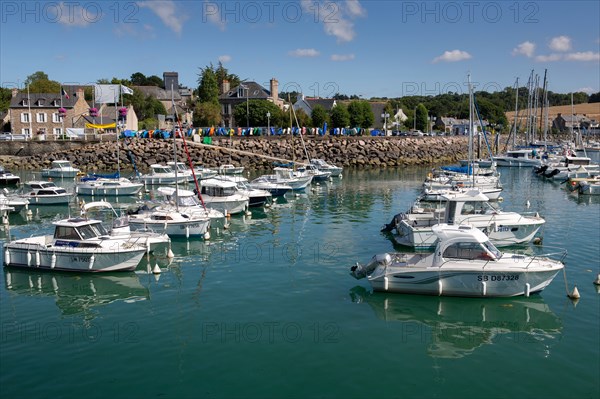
(92, 231)
(188, 201)
(492, 249)
(471, 251)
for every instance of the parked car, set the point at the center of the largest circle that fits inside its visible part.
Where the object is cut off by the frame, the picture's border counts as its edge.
(417, 133)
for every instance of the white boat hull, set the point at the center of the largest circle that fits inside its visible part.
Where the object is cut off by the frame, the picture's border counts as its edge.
(464, 283)
(58, 199)
(90, 190)
(36, 255)
(172, 229)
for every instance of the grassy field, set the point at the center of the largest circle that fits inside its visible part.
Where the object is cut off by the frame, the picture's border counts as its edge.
(592, 111)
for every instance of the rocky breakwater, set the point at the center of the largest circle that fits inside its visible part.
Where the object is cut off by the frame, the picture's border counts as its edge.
(258, 152)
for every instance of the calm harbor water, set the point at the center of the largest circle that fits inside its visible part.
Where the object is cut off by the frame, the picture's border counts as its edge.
(268, 309)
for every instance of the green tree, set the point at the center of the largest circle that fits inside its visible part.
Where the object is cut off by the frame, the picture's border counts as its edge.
(361, 114)
(340, 117)
(138, 79)
(5, 96)
(319, 116)
(148, 124)
(222, 74)
(421, 117)
(257, 113)
(146, 107)
(303, 118)
(207, 114)
(38, 82)
(208, 87)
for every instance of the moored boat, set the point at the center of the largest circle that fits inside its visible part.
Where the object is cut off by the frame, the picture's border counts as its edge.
(78, 244)
(464, 263)
(60, 169)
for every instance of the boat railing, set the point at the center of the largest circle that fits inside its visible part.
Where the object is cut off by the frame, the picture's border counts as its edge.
(555, 253)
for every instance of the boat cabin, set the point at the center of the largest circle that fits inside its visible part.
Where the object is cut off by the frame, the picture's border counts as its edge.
(463, 242)
(161, 169)
(571, 160)
(218, 188)
(62, 164)
(79, 229)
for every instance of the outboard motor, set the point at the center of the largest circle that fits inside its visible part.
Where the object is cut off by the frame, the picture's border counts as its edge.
(541, 169)
(394, 223)
(552, 174)
(359, 271)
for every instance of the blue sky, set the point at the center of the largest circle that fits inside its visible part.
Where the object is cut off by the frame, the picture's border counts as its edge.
(367, 48)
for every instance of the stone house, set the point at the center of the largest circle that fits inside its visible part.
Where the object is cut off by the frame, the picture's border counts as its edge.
(37, 113)
(243, 92)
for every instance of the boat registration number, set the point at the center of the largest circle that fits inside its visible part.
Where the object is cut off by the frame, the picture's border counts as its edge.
(497, 277)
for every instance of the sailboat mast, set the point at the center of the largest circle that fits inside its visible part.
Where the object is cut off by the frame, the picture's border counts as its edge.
(470, 122)
(175, 155)
(516, 112)
(543, 99)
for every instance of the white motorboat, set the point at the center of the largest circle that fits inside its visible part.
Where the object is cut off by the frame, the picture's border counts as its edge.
(107, 186)
(225, 195)
(290, 178)
(60, 169)
(16, 203)
(78, 244)
(268, 183)
(490, 185)
(187, 201)
(567, 167)
(182, 170)
(326, 167)
(46, 193)
(465, 263)
(7, 178)
(169, 221)
(203, 173)
(317, 174)
(518, 158)
(230, 169)
(152, 241)
(161, 174)
(473, 208)
(256, 197)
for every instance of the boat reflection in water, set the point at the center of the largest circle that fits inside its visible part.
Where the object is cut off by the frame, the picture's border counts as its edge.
(456, 327)
(76, 293)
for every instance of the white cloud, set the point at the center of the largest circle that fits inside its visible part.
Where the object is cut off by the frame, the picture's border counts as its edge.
(526, 48)
(355, 9)
(224, 58)
(73, 14)
(560, 43)
(337, 18)
(165, 10)
(342, 57)
(304, 52)
(212, 14)
(548, 58)
(583, 56)
(452, 56)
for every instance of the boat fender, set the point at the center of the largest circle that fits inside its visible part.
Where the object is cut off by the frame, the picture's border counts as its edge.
(92, 259)
(386, 283)
(53, 261)
(28, 258)
(7, 257)
(38, 259)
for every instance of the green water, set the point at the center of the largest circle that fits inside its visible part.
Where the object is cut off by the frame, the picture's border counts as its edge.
(268, 309)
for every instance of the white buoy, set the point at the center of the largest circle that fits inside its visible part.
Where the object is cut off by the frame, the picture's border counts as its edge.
(527, 204)
(248, 213)
(575, 294)
(537, 241)
(156, 269)
(207, 235)
(29, 213)
(500, 199)
(597, 281)
(170, 254)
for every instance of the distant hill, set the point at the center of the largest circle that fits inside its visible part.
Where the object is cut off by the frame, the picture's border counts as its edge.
(591, 110)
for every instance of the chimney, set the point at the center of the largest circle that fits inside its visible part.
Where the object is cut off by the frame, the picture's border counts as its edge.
(275, 90)
(224, 86)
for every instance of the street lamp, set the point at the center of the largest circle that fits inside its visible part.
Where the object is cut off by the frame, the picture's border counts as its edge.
(268, 122)
(385, 115)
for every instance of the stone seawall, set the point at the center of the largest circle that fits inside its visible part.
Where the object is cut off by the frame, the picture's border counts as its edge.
(252, 152)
